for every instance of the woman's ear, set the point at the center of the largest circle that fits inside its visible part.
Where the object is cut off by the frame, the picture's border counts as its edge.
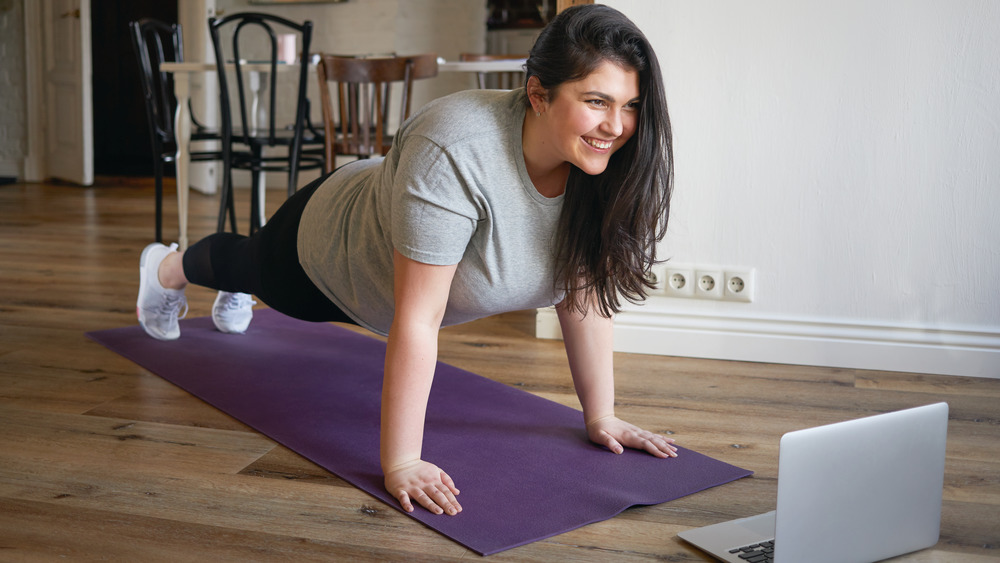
(538, 96)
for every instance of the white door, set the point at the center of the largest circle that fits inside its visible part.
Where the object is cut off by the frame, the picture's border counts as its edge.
(69, 115)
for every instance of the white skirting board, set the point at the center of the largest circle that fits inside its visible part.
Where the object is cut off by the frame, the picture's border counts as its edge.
(829, 343)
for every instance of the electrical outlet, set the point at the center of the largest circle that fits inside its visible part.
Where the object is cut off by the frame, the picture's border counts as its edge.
(704, 281)
(709, 284)
(678, 281)
(739, 285)
(653, 277)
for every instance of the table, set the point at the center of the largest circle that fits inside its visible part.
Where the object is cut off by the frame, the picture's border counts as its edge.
(182, 72)
(505, 65)
(482, 68)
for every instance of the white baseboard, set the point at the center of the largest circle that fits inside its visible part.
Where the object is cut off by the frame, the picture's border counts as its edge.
(824, 342)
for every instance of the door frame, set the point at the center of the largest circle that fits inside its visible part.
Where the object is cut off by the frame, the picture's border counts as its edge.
(34, 163)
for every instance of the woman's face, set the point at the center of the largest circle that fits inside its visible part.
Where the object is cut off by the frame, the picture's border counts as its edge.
(591, 118)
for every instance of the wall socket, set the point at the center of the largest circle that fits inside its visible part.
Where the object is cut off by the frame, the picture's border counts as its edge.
(704, 281)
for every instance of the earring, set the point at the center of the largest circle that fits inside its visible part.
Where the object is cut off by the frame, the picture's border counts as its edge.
(538, 114)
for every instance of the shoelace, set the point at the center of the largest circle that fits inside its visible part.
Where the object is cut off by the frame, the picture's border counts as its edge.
(172, 304)
(239, 301)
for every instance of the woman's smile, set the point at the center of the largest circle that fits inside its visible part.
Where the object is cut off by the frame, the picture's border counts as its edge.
(598, 144)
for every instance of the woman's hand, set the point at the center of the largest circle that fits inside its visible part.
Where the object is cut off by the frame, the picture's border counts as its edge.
(425, 483)
(614, 433)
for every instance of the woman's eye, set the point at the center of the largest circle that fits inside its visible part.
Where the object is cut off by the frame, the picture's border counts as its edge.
(597, 102)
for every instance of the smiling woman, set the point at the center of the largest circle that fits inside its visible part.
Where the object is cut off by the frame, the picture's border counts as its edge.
(613, 217)
(487, 202)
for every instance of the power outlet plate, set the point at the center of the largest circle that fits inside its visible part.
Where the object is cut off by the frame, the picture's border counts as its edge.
(704, 281)
(740, 285)
(678, 282)
(709, 284)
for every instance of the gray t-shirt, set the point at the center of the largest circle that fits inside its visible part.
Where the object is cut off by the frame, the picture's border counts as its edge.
(453, 189)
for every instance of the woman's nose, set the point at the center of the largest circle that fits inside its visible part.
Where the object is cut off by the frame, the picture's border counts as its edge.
(613, 123)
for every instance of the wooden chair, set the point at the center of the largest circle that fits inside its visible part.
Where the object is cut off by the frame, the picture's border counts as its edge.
(257, 130)
(155, 43)
(501, 80)
(364, 87)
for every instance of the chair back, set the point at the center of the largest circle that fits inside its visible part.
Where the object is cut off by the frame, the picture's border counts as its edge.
(504, 80)
(154, 43)
(263, 47)
(364, 88)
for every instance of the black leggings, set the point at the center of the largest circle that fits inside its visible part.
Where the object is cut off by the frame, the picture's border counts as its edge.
(265, 264)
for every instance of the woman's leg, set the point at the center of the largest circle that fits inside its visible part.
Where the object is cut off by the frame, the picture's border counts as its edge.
(265, 264)
(222, 261)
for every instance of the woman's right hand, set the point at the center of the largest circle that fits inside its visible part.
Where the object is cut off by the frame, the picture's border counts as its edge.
(424, 483)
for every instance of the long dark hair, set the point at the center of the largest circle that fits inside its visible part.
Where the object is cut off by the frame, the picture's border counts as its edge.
(610, 223)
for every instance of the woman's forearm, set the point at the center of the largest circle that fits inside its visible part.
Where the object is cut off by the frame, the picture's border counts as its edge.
(409, 372)
(589, 342)
(421, 295)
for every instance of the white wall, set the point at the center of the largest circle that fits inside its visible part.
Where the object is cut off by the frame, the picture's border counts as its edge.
(850, 152)
(405, 27)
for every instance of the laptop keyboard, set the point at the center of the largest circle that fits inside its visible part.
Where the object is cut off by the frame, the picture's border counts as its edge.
(762, 552)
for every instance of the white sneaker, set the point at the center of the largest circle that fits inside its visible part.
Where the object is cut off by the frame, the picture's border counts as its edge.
(232, 312)
(158, 307)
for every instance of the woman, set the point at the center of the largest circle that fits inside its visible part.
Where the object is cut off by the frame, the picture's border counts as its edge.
(488, 201)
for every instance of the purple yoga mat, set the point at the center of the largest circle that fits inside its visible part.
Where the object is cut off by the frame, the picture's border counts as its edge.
(523, 463)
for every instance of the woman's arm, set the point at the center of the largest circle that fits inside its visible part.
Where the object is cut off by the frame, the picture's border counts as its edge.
(421, 294)
(589, 341)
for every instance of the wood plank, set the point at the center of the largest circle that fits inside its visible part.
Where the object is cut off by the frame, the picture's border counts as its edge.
(100, 459)
(31, 441)
(283, 463)
(42, 531)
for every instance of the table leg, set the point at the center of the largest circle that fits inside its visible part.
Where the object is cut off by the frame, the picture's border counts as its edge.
(182, 135)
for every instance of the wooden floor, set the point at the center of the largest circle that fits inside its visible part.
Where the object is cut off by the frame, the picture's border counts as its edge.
(99, 459)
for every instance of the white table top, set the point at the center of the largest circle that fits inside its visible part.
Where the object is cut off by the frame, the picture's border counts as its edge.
(512, 65)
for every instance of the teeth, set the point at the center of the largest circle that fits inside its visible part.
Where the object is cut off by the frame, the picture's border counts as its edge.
(599, 144)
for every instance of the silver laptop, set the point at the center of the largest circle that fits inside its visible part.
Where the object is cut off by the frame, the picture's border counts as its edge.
(862, 490)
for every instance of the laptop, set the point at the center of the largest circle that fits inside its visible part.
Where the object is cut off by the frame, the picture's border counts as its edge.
(862, 490)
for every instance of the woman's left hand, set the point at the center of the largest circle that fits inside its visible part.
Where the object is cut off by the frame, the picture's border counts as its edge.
(616, 434)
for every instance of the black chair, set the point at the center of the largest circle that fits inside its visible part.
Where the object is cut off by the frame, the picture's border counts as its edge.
(156, 42)
(256, 136)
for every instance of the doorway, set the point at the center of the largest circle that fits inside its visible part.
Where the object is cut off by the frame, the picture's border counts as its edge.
(121, 133)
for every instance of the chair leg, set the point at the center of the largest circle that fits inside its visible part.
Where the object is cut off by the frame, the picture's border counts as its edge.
(158, 172)
(255, 190)
(226, 196)
(227, 206)
(293, 167)
(232, 208)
